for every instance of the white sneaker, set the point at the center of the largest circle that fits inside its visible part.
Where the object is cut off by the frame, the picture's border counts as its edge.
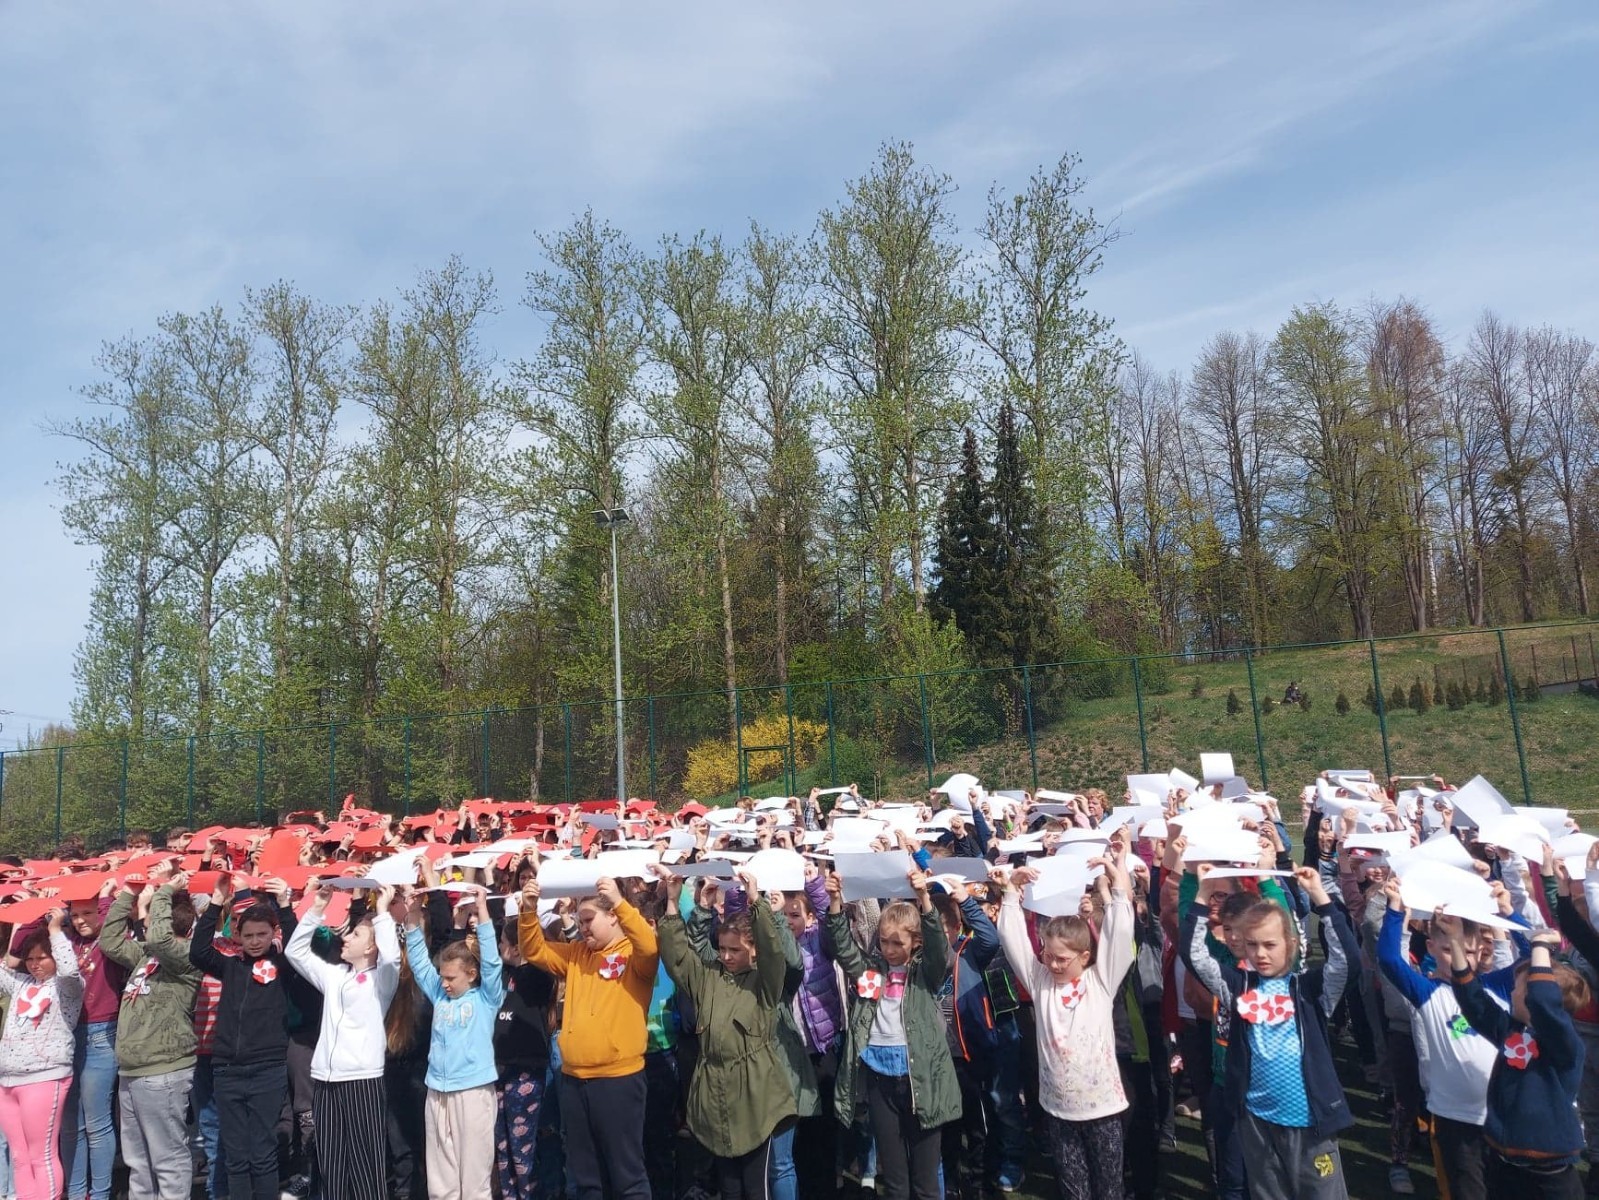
(1399, 1181)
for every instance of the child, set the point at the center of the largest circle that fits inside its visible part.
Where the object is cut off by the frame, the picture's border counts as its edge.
(610, 977)
(1281, 1082)
(739, 1094)
(466, 990)
(155, 1037)
(1454, 1059)
(522, 1055)
(347, 1096)
(250, 1056)
(1074, 988)
(895, 1054)
(36, 1055)
(1533, 1131)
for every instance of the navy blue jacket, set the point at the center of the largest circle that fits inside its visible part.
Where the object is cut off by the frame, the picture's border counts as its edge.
(1329, 1110)
(972, 1033)
(1532, 1112)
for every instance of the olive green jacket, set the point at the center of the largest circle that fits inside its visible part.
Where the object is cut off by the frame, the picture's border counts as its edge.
(791, 1049)
(740, 1092)
(155, 1023)
(935, 1093)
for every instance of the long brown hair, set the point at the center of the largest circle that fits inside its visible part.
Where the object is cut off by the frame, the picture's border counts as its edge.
(400, 1022)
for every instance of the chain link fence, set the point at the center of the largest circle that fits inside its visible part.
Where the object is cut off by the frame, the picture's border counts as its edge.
(1517, 705)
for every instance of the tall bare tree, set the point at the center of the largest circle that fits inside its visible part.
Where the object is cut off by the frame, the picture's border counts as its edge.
(1230, 407)
(1561, 381)
(1495, 356)
(1405, 366)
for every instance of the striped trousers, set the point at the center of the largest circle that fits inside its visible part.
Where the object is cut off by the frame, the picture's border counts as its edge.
(351, 1119)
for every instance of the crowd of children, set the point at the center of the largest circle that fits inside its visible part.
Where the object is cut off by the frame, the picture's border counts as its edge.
(786, 997)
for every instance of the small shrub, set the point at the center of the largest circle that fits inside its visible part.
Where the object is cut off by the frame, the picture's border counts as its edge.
(1198, 689)
(1439, 698)
(1396, 698)
(1341, 705)
(1496, 692)
(1419, 700)
(1455, 697)
(1304, 701)
(1234, 706)
(1482, 691)
(1370, 700)
(1267, 704)
(1532, 691)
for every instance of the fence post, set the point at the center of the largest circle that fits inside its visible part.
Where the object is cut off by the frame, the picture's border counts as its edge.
(406, 740)
(260, 772)
(566, 713)
(651, 710)
(189, 804)
(1254, 707)
(1382, 709)
(738, 738)
(1027, 704)
(61, 756)
(333, 750)
(927, 729)
(832, 745)
(793, 767)
(1515, 716)
(485, 792)
(122, 795)
(2, 780)
(1138, 699)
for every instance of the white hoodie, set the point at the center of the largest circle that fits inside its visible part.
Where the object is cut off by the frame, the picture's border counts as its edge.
(350, 1044)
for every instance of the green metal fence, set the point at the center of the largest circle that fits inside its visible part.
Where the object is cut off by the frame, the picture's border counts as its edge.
(1509, 703)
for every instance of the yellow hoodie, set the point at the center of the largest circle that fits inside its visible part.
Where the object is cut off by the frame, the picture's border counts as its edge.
(607, 993)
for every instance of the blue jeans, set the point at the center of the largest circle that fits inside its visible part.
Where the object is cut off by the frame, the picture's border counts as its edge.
(781, 1171)
(209, 1126)
(1008, 1133)
(88, 1134)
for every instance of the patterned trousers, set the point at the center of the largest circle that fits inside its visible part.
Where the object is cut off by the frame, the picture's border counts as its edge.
(516, 1136)
(1088, 1157)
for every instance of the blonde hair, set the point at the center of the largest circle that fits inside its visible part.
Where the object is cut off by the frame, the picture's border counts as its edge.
(1266, 910)
(901, 914)
(1074, 931)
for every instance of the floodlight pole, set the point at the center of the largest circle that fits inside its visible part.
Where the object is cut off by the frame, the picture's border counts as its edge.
(611, 519)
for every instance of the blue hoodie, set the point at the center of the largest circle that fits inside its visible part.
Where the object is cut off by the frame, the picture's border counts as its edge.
(461, 1053)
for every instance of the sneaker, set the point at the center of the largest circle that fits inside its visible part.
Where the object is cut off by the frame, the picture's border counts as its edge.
(868, 1183)
(1399, 1181)
(1010, 1183)
(1192, 1111)
(298, 1187)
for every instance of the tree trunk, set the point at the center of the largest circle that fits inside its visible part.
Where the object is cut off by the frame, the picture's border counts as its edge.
(729, 661)
(780, 592)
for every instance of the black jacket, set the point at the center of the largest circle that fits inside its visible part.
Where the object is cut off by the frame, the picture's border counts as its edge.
(521, 1035)
(252, 1015)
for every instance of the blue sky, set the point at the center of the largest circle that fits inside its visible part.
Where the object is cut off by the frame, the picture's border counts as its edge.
(164, 156)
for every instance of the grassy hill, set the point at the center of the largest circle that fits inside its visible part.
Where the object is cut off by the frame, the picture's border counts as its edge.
(1098, 741)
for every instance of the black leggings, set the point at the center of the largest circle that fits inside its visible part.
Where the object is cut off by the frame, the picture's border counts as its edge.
(745, 1177)
(907, 1152)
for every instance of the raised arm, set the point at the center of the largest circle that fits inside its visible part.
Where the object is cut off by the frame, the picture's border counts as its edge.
(491, 971)
(1557, 1036)
(422, 968)
(1014, 941)
(202, 953)
(171, 951)
(114, 941)
(1391, 958)
(771, 964)
(316, 971)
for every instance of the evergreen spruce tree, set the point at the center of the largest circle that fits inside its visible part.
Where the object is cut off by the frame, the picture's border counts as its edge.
(1342, 705)
(1026, 626)
(1482, 691)
(1396, 698)
(1234, 705)
(1371, 698)
(965, 555)
(1419, 699)
(1496, 692)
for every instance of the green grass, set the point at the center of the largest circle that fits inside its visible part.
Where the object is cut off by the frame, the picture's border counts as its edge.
(1098, 741)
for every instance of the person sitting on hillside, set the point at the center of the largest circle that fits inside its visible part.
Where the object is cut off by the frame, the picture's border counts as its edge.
(1291, 696)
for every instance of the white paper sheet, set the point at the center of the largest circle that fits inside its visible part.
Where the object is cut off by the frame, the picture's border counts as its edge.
(569, 877)
(627, 864)
(714, 868)
(397, 869)
(1440, 848)
(1180, 778)
(1479, 800)
(1511, 831)
(872, 875)
(1243, 873)
(1223, 846)
(778, 870)
(1216, 768)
